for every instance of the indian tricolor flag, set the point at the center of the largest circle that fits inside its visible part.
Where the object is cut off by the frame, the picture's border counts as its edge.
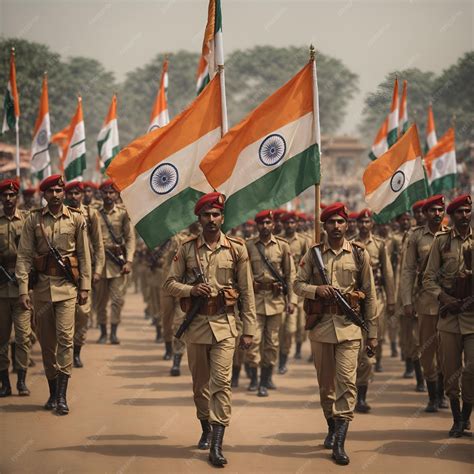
(60, 140)
(158, 174)
(202, 75)
(40, 160)
(393, 117)
(272, 155)
(431, 139)
(159, 115)
(108, 138)
(440, 163)
(380, 145)
(11, 104)
(74, 156)
(403, 114)
(397, 179)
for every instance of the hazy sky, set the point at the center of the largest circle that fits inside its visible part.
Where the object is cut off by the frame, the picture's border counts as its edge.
(371, 37)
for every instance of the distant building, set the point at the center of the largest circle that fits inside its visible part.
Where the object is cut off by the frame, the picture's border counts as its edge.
(7, 160)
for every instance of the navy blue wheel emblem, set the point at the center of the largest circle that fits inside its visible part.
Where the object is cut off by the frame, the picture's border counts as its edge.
(397, 181)
(164, 178)
(272, 150)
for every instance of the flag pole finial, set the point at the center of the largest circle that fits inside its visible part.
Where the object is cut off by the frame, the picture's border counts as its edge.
(13, 50)
(312, 52)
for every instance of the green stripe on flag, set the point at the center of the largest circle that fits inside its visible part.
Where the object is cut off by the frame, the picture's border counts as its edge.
(372, 156)
(218, 22)
(204, 83)
(444, 183)
(100, 143)
(75, 168)
(392, 137)
(9, 110)
(115, 152)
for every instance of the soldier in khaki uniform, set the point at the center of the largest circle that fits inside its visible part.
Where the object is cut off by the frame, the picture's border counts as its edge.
(119, 245)
(298, 247)
(335, 340)
(89, 198)
(11, 313)
(61, 282)
(74, 195)
(417, 303)
(223, 262)
(352, 230)
(29, 199)
(448, 278)
(270, 301)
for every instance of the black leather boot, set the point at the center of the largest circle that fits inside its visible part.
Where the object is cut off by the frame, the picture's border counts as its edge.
(262, 388)
(205, 438)
(176, 370)
(77, 357)
(442, 402)
(432, 406)
(393, 346)
(13, 352)
(420, 381)
(338, 453)
(270, 385)
(113, 334)
(61, 392)
(103, 334)
(466, 415)
(215, 454)
(6, 389)
(458, 424)
(378, 365)
(409, 367)
(21, 384)
(282, 368)
(168, 351)
(329, 441)
(51, 403)
(253, 386)
(361, 405)
(298, 350)
(235, 376)
(247, 369)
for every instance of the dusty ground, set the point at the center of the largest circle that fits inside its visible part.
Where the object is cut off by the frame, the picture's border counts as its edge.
(129, 415)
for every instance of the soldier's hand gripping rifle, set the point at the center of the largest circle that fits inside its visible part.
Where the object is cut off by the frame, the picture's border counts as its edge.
(6, 277)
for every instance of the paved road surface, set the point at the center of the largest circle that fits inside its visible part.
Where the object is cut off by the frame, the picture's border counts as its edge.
(129, 416)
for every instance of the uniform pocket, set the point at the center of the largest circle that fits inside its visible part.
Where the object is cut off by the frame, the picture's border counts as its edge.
(224, 272)
(348, 273)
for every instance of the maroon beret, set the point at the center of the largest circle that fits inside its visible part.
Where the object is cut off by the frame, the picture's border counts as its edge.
(322, 205)
(267, 213)
(436, 200)
(353, 215)
(278, 214)
(53, 180)
(364, 213)
(301, 216)
(464, 200)
(289, 215)
(337, 208)
(210, 200)
(109, 183)
(9, 185)
(74, 184)
(90, 184)
(250, 222)
(418, 205)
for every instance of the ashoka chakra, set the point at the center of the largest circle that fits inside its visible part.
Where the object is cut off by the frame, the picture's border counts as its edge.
(164, 178)
(272, 150)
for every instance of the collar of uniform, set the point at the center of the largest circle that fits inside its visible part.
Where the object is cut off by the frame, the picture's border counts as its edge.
(16, 215)
(455, 233)
(426, 229)
(366, 241)
(223, 242)
(272, 240)
(64, 211)
(111, 211)
(346, 247)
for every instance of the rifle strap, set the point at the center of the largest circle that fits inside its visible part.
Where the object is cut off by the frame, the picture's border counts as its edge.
(43, 232)
(273, 270)
(109, 227)
(196, 256)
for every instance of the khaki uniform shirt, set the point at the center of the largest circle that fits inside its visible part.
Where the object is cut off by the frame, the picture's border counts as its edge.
(446, 261)
(345, 273)
(299, 245)
(122, 229)
(227, 266)
(278, 253)
(67, 232)
(10, 232)
(94, 232)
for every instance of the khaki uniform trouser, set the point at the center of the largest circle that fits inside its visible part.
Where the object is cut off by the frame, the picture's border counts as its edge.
(428, 346)
(81, 321)
(287, 331)
(179, 345)
(381, 322)
(155, 304)
(113, 289)
(336, 366)
(300, 335)
(11, 314)
(409, 337)
(364, 365)
(264, 348)
(239, 353)
(168, 304)
(56, 331)
(211, 370)
(392, 327)
(456, 375)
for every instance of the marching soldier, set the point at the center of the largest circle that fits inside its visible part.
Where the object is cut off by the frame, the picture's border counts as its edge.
(11, 312)
(336, 340)
(273, 273)
(74, 196)
(119, 245)
(418, 213)
(448, 278)
(419, 304)
(352, 226)
(222, 264)
(89, 199)
(29, 199)
(54, 243)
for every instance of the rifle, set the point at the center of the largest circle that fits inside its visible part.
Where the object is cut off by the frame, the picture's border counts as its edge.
(6, 277)
(197, 303)
(117, 259)
(273, 271)
(459, 306)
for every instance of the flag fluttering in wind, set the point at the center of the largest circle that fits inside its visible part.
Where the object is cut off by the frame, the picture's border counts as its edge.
(396, 179)
(431, 139)
(272, 155)
(108, 138)
(202, 75)
(11, 104)
(380, 145)
(159, 114)
(74, 154)
(40, 159)
(440, 163)
(392, 135)
(158, 174)
(60, 140)
(403, 114)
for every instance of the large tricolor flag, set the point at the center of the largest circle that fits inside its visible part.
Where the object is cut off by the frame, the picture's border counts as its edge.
(440, 163)
(108, 138)
(159, 114)
(40, 159)
(212, 54)
(431, 139)
(396, 179)
(403, 114)
(74, 154)
(380, 145)
(158, 174)
(273, 154)
(392, 135)
(11, 104)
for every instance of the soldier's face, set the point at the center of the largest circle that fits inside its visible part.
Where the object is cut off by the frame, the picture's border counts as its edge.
(462, 217)
(365, 225)
(74, 197)
(352, 226)
(211, 219)
(248, 230)
(302, 225)
(404, 222)
(9, 199)
(277, 226)
(336, 227)
(88, 194)
(54, 195)
(109, 196)
(265, 227)
(419, 216)
(435, 214)
(290, 226)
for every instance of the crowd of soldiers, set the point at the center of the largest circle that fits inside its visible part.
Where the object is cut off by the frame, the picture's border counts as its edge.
(245, 297)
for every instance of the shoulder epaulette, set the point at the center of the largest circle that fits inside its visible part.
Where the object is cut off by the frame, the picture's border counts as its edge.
(378, 238)
(440, 233)
(281, 238)
(191, 238)
(358, 245)
(235, 239)
(74, 209)
(317, 245)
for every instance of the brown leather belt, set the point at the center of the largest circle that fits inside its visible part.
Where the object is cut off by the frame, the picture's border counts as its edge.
(51, 268)
(213, 306)
(268, 286)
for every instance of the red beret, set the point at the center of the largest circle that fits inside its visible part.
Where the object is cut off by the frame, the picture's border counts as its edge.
(28, 191)
(418, 205)
(338, 208)
(436, 200)
(364, 213)
(210, 200)
(53, 180)
(301, 216)
(278, 214)
(353, 215)
(250, 222)
(108, 183)
(464, 200)
(74, 184)
(9, 185)
(322, 205)
(90, 184)
(264, 214)
(289, 215)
